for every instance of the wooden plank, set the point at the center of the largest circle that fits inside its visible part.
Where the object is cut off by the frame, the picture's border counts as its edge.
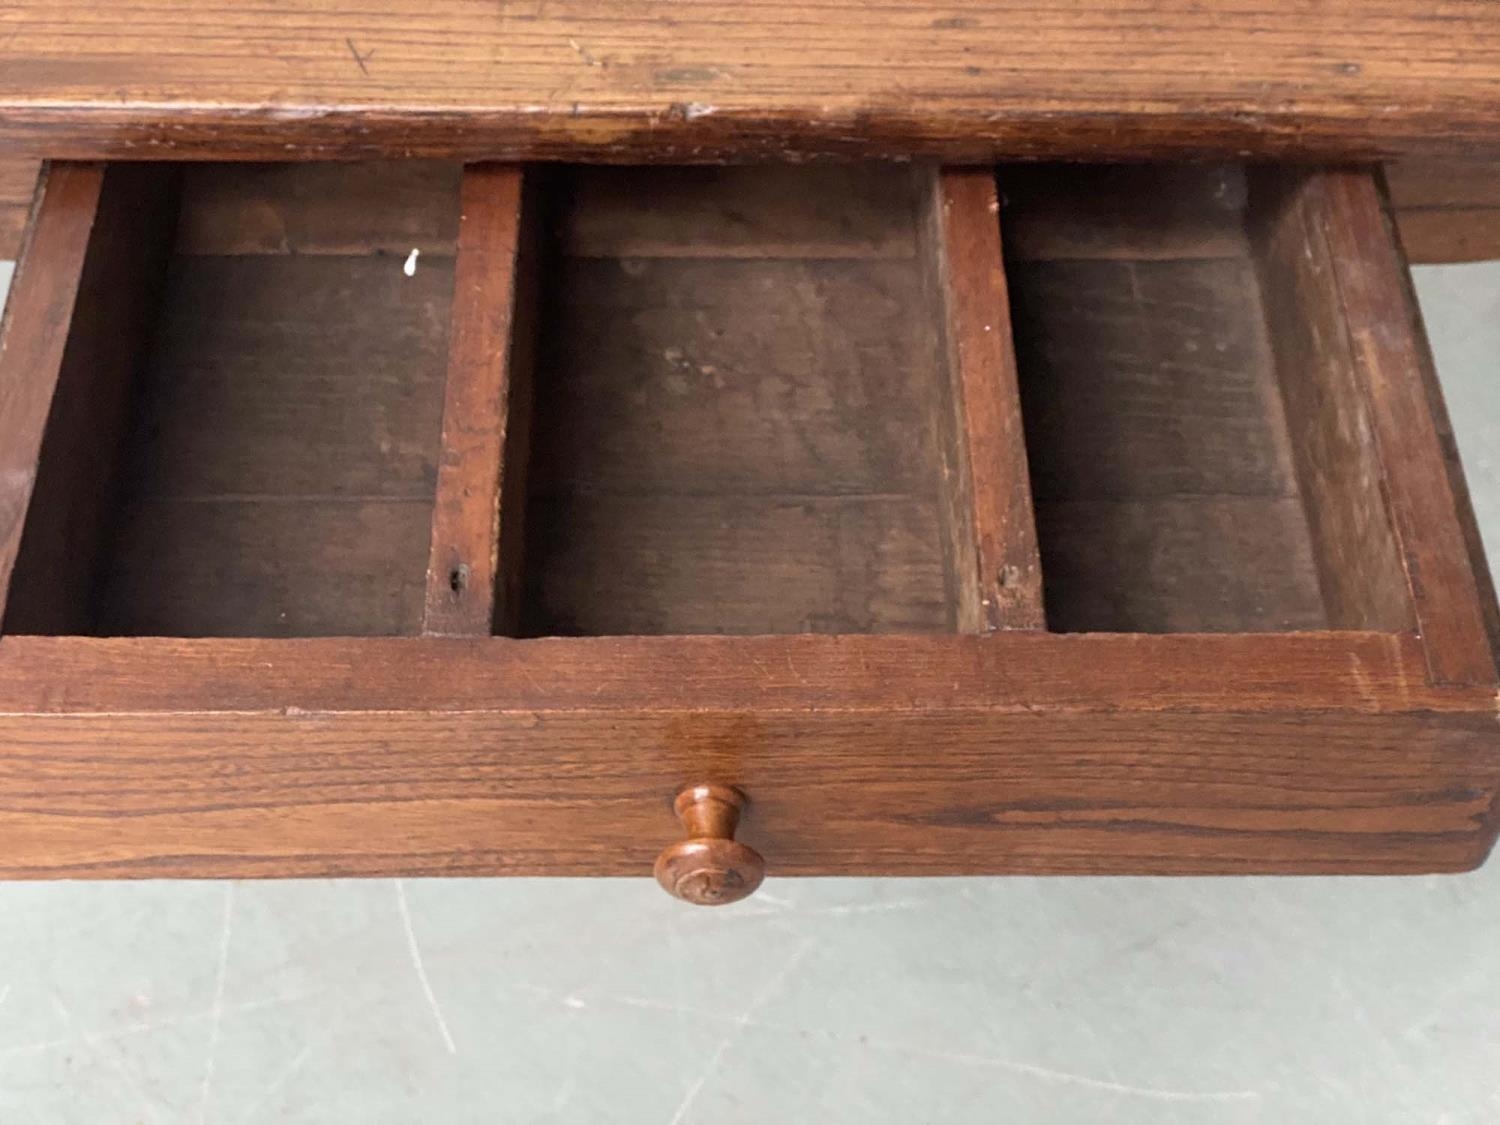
(1011, 673)
(1164, 487)
(1148, 379)
(1304, 753)
(1220, 564)
(1369, 360)
(735, 376)
(1434, 235)
(281, 467)
(676, 563)
(34, 338)
(330, 370)
(1447, 210)
(734, 444)
(388, 207)
(1338, 459)
(486, 794)
(610, 80)
(773, 211)
(266, 567)
(474, 566)
(70, 516)
(18, 183)
(1459, 183)
(1134, 212)
(1489, 603)
(993, 548)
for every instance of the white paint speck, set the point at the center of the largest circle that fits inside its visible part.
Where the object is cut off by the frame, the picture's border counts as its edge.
(410, 268)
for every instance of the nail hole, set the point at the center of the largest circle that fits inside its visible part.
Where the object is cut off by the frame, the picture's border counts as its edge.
(458, 578)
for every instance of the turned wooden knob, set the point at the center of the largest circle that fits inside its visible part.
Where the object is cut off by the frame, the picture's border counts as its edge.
(710, 867)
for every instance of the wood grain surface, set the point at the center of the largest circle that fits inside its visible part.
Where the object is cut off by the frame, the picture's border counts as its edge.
(252, 454)
(1333, 444)
(34, 331)
(1130, 212)
(991, 526)
(71, 515)
(18, 179)
(970, 80)
(478, 515)
(1165, 493)
(1010, 752)
(735, 443)
(382, 207)
(1447, 210)
(1394, 364)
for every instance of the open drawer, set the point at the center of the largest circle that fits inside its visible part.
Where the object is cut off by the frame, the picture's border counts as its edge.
(412, 518)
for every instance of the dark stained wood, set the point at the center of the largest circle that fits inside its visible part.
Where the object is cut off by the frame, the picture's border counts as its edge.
(1335, 448)
(1376, 337)
(991, 533)
(1010, 753)
(1164, 488)
(1135, 212)
(1188, 564)
(272, 566)
(1460, 183)
(1489, 603)
(1450, 234)
(734, 376)
(389, 207)
(33, 341)
(68, 520)
(330, 368)
(781, 563)
(731, 444)
(1011, 673)
(1151, 379)
(280, 472)
(474, 568)
(1447, 210)
(709, 868)
(18, 182)
(770, 211)
(969, 81)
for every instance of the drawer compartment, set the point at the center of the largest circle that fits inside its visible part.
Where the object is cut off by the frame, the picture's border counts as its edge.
(739, 408)
(1029, 519)
(247, 444)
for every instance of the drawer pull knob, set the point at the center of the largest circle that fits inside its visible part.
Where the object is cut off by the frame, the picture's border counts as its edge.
(710, 867)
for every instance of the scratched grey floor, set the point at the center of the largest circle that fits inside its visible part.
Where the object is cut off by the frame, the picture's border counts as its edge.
(1021, 1000)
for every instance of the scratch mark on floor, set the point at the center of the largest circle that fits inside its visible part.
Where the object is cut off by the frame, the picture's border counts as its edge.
(421, 969)
(282, 1078)
(226, 932)
(741, 1021)
(147, 1027)
(1066, 1077)
(94, 1045)
(1034, 1070)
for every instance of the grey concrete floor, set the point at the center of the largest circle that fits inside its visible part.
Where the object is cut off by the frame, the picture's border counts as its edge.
(903, 1001)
